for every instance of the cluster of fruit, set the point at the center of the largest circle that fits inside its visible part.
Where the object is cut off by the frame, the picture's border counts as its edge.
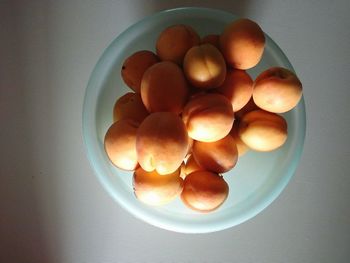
(194, 110)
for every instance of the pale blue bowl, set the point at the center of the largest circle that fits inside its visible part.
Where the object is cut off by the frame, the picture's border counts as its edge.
(257, 179)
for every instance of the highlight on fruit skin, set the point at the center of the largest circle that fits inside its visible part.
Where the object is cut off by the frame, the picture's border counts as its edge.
(204, 191)
(135, 65)
(208, 117)
(204, 66)
(154, 189)
(174, 41)
(237, 87)
(129, 106)
(164, 88)
(120, 144)
(277, 90)
(161, 142)
(242, 43)
(263, 131)
(218, 157)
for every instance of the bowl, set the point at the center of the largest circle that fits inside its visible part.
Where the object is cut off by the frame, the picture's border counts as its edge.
(257, 179)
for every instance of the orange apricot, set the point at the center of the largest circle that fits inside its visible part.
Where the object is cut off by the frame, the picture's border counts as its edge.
(204, 191)
(120, 144)
(161, 142)
(134, 67)
(129, 106)
(242, 43)
(208, 117)
(173, 42)
(277, 90)
(237, 87)
(218, 157)
(154, 189)
(263, 131)
(164, 88)
(204, 66)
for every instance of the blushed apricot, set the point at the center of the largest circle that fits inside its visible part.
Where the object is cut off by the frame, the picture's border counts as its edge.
(263, 131)
(237, 87)
(161, 142)
(242, 148)
(242, 43)
(129, 106)
(173, 43)
(120, 144)
(204, 191)
(277, 90)
(204, 66)
(134, 67)
(164, 88)
(192, 166)
(154, 189)
(208, 117)
(212, 39)
(218, 157)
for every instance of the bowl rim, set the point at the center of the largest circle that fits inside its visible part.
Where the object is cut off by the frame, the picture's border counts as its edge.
(90, 133)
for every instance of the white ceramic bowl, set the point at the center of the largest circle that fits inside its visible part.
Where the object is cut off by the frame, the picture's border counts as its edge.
(257, 179)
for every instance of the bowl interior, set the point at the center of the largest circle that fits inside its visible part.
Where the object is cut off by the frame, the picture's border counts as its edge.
(254, 183)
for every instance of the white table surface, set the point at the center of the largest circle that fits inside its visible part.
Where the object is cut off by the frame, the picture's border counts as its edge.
(52, 207)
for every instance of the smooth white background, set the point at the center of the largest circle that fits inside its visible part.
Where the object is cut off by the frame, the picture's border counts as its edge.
(52, 207)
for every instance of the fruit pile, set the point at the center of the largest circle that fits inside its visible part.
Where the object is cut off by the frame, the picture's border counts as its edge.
(194, 110)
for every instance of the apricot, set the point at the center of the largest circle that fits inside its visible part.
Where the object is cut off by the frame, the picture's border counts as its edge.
(242, 148)
(204, 66)
(242, 43)
(134, 67)
(263, 131)
(154, 189)
(120, 144)
(173, 43)
(204, 191)
(237, 87)
(218, 157)
(164, 88)
(277, 90)
(212, 39)
(208, 117)
(192, 166)
(130, 106)
(161, 142)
